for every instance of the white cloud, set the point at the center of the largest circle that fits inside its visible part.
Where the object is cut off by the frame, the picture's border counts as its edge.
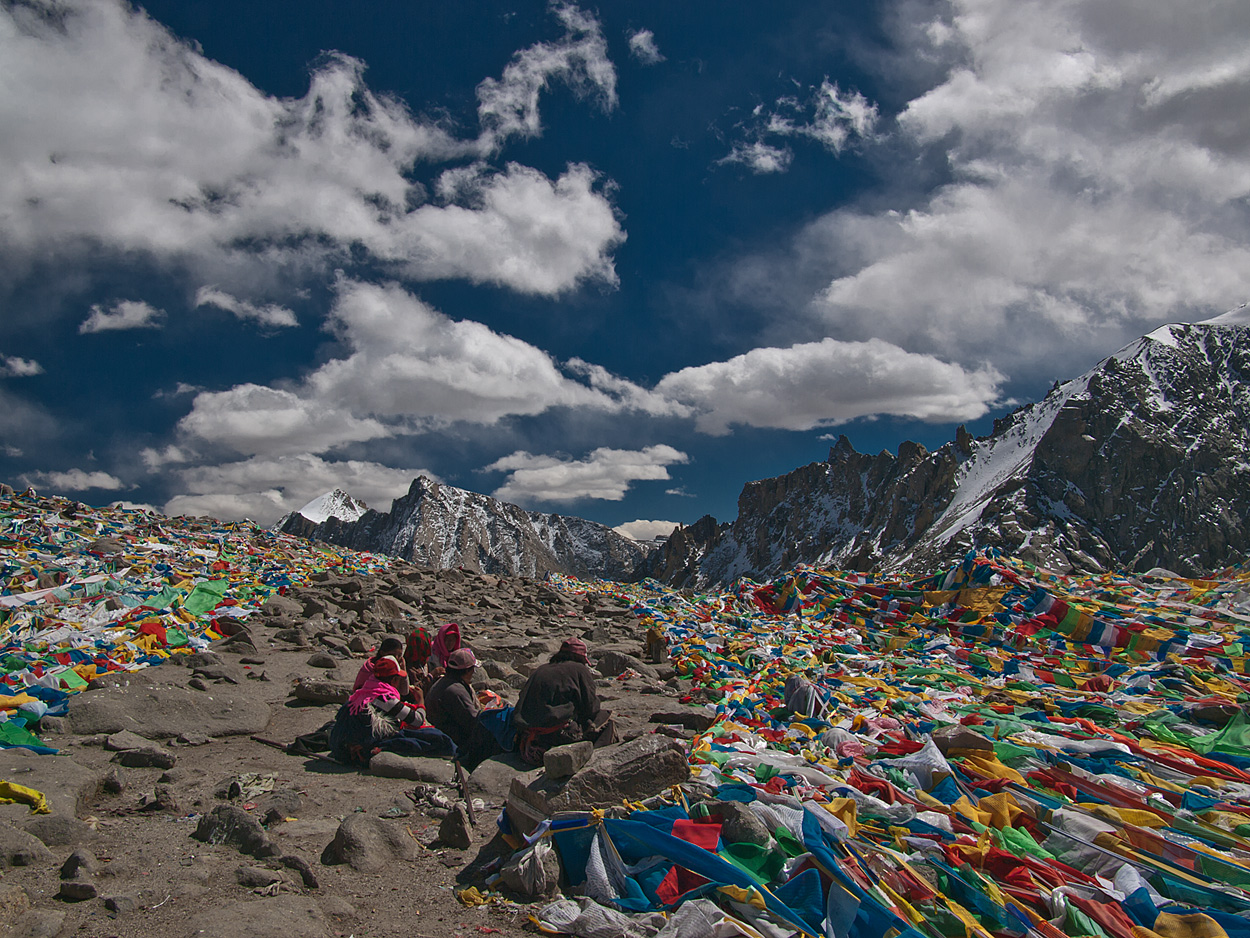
(826, 383)
(508, 106)
(761, 158)
(604, 474)
(75, 480)
(643, 48)
(120, 137)
(155, 459)
(265, 488)
(126, 314)
(409, 368)
(1100, 162)
(830, 116)
(252, 419)
(641, 530)
(13, 367)
(516, 229)
(269, 315)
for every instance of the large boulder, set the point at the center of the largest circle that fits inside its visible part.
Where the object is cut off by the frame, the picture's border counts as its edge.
(369, 844)
(637, 769)
(64, 782)
(282, 916)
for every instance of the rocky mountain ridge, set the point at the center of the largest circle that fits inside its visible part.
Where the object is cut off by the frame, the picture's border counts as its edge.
(443, 527)
(1138, 463)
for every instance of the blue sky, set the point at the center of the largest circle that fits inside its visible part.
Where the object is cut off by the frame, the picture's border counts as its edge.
(612, 262)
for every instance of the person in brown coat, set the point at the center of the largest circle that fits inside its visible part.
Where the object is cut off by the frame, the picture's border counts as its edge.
(451, 706)
(559, 705)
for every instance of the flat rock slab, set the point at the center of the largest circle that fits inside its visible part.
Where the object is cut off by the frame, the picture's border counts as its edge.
(161, 711)
(493, 778)
(416, 768)
(63, 781)
(278, 917)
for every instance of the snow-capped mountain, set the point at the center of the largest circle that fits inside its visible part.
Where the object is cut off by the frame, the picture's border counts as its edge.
(336, 504)
(1143, 461)
(441, 526)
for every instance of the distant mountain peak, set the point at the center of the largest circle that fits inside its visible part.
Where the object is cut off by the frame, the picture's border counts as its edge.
(333, 504)
(441, 526)
(1139, 462)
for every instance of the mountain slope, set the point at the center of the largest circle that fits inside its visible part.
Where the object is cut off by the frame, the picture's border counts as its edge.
(1140, 462)
(441, 526)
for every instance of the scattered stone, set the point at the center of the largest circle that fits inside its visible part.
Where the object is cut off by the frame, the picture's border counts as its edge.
(369, 844)
(79, 864)
(357, 645)
(612, 663)
(279, 805)
(161, 798)
(632, 770)
(321, 691)
(18, 848)
(122, 904)
(416, 768)
(322, 660)
(38, 923)
(256, 877)
(149, 757)
(193, 739)
(226, 824)
(76, 890)
(337, 907)
(454, 830)
(53, 726)
(301, 866)
(697, 720)
(563, 761)
(197, 683)
(958, 736)
(112, 783)
(739, 824)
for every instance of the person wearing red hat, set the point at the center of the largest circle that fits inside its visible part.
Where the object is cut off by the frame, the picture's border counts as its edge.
(452, 707)
(559, 705)
(381, 705)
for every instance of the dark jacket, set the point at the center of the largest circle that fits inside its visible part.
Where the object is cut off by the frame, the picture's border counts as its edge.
(452, 708)
(556, 692)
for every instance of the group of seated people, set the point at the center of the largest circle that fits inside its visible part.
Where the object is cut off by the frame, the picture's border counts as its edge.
(401, 687)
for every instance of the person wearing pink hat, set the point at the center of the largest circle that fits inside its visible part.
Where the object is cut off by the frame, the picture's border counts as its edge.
(451, 706)
(559, 705)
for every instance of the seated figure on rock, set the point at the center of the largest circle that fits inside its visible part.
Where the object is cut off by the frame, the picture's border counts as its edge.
(453, 708)
(383, 711)
(559, 705)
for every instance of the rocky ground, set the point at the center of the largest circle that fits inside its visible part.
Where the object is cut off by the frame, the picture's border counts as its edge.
(172, 814)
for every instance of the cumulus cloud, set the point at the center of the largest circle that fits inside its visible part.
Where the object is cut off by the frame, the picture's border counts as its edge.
(254, 419)
(270, 315)
(641, 530)
(604, 474)
(265, 488)
(121, 137)
(829, 382)
(643, 48)
(410, 368)
(13, 367)
(1100, 167)
(126, 314)
(74, 480)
